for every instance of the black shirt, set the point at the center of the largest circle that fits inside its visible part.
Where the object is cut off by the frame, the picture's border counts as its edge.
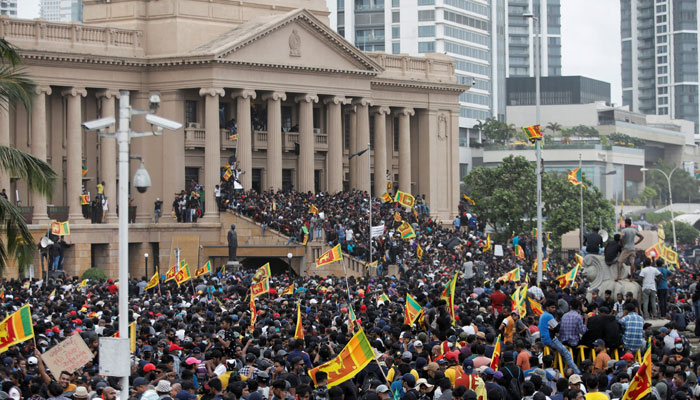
(612, 250)
(593, 242)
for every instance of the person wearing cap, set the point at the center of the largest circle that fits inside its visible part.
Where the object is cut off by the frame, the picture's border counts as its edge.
(263, 378)
(163, 389)
(576, 383)
(548, 325)
(677, 354)
(633, 325)
(139, 386)
(383, 392)
(507, 327)
(454, 370)
(471, 380)
(409, 387)
(487, 374)
(602, 358)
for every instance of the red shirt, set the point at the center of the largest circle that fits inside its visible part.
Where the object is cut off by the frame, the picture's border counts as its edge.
(497, 300)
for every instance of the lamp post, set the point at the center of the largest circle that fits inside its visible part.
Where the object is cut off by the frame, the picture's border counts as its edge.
(141, 182)
(145, 265)
(538, 144)
(670, 199)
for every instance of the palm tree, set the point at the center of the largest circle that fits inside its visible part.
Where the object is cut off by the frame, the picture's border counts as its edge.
(554, 127)
(16, 88)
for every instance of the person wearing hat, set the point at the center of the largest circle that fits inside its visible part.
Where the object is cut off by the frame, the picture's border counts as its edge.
(140, 385)
(424, 388)
(383, 392)
(454, 370)
(507, 327)
(576, 383)
(263, 378)
(409, 387)
(487, 374)
(602, 358)
(471, 380)
(163, 389)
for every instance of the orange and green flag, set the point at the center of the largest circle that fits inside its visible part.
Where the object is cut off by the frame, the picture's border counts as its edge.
(496, 357)
(545, 262)
(204, 269)
(404, 199)
(352, 319)
(406, 230)
(419, 252)
(170, 275)
(331, 256)
(299, 331)
(183, 275)
(384, 298)
(60, 228)
(397, 216)
(512, 275)
(567, 278)
(576, 177)
(536, 307)
(448, 294)
(262, 273)
(387, 197)
(261, 287)
(84, 199)
(487, 246)
(253, 312)
(413, 310)
(533, 132)
(519, 252)
(289, 290)
(16, 328)
(228, 174)
(641, 383)
(349, 362)
(155, 279)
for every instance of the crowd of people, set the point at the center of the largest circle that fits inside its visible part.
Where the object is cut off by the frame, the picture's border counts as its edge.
(196, 341)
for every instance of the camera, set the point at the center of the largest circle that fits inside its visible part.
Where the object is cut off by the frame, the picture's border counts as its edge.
(154, 102)
(163, 123)
(142, 180)
(99, 124)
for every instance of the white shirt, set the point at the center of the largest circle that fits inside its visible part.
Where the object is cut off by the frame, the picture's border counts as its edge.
(649, 273)
(536, 292)
(220, 369)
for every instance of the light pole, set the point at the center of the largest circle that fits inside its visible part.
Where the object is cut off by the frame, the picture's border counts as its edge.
(538, 144)
(145, 265)
(670, 199)
(141, 181)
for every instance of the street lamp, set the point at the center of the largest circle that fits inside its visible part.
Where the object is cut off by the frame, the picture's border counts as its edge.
(145, 267)
(670, 199)
(124, 136)
(538, 144)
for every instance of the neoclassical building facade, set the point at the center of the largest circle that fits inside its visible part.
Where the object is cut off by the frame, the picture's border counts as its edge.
(301, 97)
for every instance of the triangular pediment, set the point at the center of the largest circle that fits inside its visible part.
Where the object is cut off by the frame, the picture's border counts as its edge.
(296, 39)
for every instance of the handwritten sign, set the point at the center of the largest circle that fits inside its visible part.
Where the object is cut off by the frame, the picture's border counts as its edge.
(69, 355)
(498, 250)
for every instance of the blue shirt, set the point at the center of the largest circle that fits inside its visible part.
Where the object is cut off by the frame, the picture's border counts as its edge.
(543, 326)
(663, 283)
(633, 324)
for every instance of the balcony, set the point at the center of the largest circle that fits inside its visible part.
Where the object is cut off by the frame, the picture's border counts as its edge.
(195, 137)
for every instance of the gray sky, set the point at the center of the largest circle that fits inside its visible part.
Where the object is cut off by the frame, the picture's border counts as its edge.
(590, 39)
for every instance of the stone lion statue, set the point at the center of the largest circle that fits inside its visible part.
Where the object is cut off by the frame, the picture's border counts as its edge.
(602, 277)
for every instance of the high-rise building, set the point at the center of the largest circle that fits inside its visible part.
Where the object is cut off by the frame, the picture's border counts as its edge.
(660, 57)
(521, 39)
(62, 10)
(8, 7)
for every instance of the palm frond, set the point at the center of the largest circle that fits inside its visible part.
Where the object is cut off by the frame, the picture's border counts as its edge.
(16, 87)
(19, 242)
(9, 53)
(38, 175)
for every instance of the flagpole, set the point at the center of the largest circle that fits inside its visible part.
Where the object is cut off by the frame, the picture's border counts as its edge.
(369, 178)
(580, 163)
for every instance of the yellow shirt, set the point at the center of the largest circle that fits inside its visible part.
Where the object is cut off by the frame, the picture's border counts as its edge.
(597, 396)
(100, 188)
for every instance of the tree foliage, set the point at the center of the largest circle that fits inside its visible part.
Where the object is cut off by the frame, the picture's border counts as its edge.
(684, 186)
(497, 131)
(685, 233)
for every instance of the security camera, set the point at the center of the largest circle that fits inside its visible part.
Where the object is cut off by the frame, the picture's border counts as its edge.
(154, 102)
(142, 181)
(162, 123)
(99, 124)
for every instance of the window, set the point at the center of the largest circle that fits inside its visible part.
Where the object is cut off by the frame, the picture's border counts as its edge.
(662, 90)
(426, 2)
(661, 8)
(395, 32)
(396, 3)
(395, 17)
(663, 100)
(663, 110)
(662, 70)
(469, 5)
(469, 36)
(426, 47)
(426, 15)
(660, 19)
(662, 80)
(426, 31)
(396, 134)
(396, 48)
(190, 111)
(456, 48)
(463, 20)
(191, 174)
(661, 49)
(463, 171)
(661, 29)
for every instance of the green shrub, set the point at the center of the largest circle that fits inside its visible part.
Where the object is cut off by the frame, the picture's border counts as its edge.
(94, 274)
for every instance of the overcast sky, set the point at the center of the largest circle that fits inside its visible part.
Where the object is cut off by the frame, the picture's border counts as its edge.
(590, 39)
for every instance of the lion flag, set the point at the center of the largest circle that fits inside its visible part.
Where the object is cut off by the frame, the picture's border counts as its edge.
(16, 328)
(262, 273)
(448, 294)
(641, 383)
(155, 279)
(404, 199)
(204, 269)
(260, 288)
(331, 256)
(299, 331)
(60, 228)
(496, 357)
(413, 310)
(183, 275)
(170, 274)
(349, 362)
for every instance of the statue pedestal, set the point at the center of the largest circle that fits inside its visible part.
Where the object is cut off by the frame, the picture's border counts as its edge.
(232, 266)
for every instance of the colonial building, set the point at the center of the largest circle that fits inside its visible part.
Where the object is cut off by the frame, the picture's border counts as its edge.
(302, 99)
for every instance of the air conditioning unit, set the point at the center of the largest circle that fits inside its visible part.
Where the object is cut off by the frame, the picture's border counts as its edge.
(317, 131)
(193, 125)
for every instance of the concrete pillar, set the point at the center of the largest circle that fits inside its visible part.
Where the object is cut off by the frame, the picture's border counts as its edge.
(74, 151)
(405, 115)
(244, 147)
(352, 121)
(173, 142)
(108, 155)
(361, 164)
(212, 149)
(380, 114)
(305, 168)
(5, 141)
(38, 148)
(335, 143)
(274, 139)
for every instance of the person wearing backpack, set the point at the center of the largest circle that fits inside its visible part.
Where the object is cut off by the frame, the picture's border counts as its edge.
(512, 376)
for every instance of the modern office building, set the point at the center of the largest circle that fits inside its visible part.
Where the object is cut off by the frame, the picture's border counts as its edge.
(521, 38)
(8, 7)
(520, 91)
(660, 57)
(62, 10)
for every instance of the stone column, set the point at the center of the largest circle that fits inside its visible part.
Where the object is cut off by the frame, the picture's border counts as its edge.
(74, 151)
(108, 155)
(38, 148)
(380, 114)
(405, 115)
(352, 162)
(274, 139)
(305, 168)
(335, 143)
(361, 165)
(5, 141)
(212, 149)
(173, 142)
(244, 147)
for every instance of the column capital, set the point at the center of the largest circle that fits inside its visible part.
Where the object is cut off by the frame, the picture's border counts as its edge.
(108, 94)
(74, 91)
(213, 92)
(405, 111)
(282, 96)
(307, 98)
(384, 110)
(350, 108)
(43, 89)
(335, 100)
(244, 93)
(362, 101)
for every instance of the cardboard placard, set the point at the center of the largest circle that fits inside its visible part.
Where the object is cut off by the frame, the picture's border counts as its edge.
(69, 355)
(498, 250)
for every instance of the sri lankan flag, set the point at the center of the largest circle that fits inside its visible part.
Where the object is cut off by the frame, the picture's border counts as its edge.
(469, 200)
(576, 177)
(253, 312)
(331, 256)
(496, 357)
(519, 297)
(299, 331)
(60, 228)
(313, 209)
(204, 269)
(536, 307)
(183, 275)
(641, 383)
(228, 174)
(512, 275)
(404, 199)
(84, 170)
(170, 275)
(545, 262)
(487, 246)
(349, 362)
(669, 255)
(262, 272)
(132, 336)
(352, 319)
(397, 216)
(413, 310)
(519, 252)
(419, 252)
(384, 298)
(51, 296)
(654, 251)
(155, 279)
(16, 328)
(373, 264)
(289, 290)
(83, 284)
(567, 278)
(406, 230)
(84, 199)
(261, 287)
(448, 294)
(387, 197)
(233, 137)
(579, 259)
(533, 132)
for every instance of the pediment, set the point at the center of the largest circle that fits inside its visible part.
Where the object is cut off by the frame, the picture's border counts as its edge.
(296, 39)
